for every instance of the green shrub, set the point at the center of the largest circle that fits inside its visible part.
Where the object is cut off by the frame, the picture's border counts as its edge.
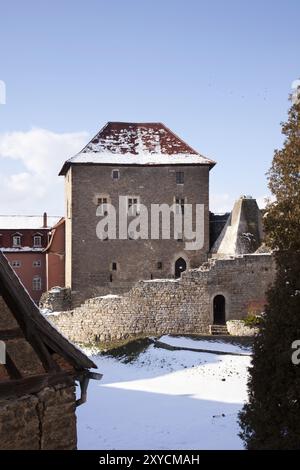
(252, 320)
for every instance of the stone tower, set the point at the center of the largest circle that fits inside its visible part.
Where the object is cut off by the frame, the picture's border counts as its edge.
(146, 164)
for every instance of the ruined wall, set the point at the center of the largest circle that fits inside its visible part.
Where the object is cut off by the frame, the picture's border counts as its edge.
(238, 328)
(56, 299)
(182, 306)
(42, 421)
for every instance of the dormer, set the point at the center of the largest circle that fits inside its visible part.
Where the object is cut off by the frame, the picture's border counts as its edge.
(37, 240)
(17, 240)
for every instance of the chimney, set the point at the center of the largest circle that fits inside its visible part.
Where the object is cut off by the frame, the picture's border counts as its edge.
(45, 223)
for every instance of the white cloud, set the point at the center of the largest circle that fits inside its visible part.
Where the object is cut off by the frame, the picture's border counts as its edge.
(29, 181)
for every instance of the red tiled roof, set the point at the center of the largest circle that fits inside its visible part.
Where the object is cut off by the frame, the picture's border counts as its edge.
(138, 144)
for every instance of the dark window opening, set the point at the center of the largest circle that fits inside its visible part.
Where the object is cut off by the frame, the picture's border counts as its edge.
(159, 265)
(114, 266)
(115, 174)
(180, 205)
(179, 177)
(102, 201)
(133, 206)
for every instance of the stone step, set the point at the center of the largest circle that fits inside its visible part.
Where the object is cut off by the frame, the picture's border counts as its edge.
(218, 330)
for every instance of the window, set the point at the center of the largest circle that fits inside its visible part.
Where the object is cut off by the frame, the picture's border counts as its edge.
(114, 266)
(180, 205)
(37, 283)
(102, 201)
(159, 265)
(115, 174)
(37, 263)
(15, 264)
(133, 205)
(37, 241)
(179, 177)
(17, 240)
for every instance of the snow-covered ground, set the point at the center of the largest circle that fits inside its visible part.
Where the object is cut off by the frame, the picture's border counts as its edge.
(216, 345)
(166, 400)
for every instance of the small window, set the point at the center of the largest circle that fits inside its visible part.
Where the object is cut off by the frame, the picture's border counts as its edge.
(17, 240)
(102, 201)
(114, 266)
(15, 264)
(133, 205)
(180, 205)
(37, 283)
(115, 174)
(37, 263)
(37, 241)
(159, 265)
(179, 177)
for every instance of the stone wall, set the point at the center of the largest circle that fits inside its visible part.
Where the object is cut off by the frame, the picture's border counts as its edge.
(89, 260)
(56, 299)
(238, 328)
(42, 421)
(183, 306)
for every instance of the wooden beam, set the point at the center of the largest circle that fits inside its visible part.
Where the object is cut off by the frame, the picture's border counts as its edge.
(32, 322)
(20, 387)
(11, 334)
(43, 352)
(11, 368)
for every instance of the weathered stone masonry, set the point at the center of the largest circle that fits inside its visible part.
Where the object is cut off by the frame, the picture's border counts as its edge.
(39, 421)
(181, 306)
(38, 373)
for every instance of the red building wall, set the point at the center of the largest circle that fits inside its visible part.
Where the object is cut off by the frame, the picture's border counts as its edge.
(27, 271)
(39, 267)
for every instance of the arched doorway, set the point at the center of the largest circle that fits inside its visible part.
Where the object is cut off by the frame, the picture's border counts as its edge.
(180, 267)
(219, 310)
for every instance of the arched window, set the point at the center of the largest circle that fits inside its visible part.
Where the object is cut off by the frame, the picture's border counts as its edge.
(180, 267)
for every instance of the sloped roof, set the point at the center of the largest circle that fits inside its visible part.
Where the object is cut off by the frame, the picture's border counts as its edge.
(62, 221)
(19, 222)
(37, 354)
(130, 143)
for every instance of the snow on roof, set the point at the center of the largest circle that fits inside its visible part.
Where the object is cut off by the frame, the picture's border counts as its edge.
(19, 222)
(137, 144)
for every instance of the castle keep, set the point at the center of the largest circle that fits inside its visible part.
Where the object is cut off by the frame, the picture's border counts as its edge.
(146, 164)
(159, 286)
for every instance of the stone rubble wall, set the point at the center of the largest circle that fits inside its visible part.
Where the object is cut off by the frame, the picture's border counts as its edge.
(182, 306)
(58, 298)
(42, 421)
(238, 328)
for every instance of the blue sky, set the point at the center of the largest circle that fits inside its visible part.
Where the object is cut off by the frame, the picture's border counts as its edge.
(216, 72)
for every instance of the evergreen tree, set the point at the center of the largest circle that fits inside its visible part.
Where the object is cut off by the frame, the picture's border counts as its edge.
(271, 418)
